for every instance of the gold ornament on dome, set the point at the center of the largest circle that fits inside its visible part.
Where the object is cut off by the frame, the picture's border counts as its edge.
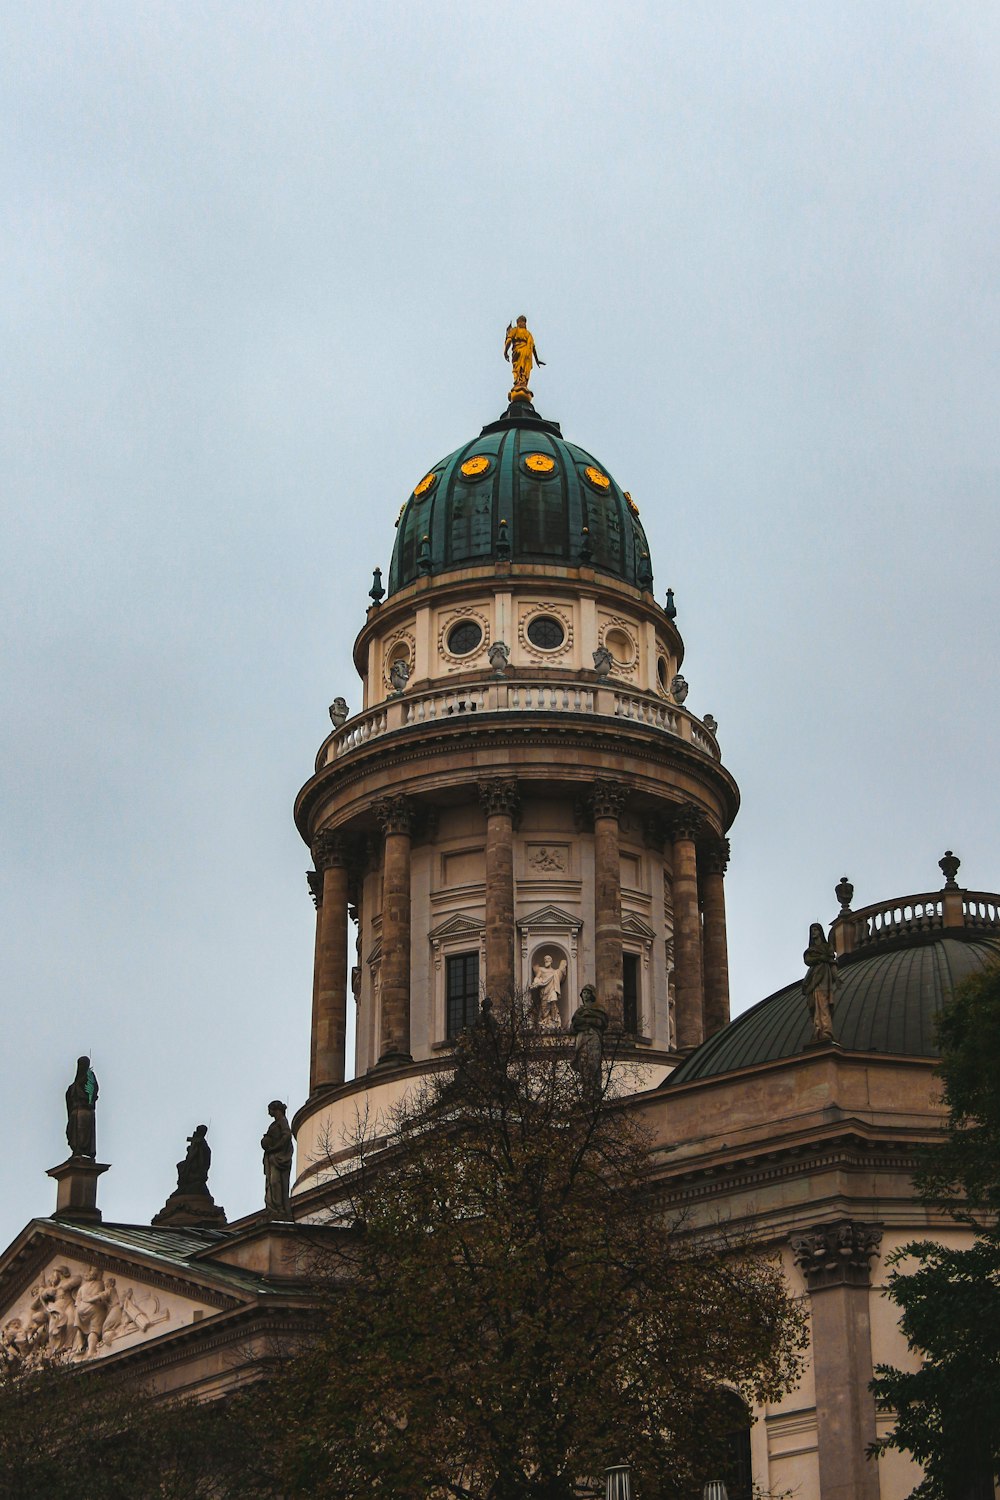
(597, 478)
(427, 483)
(631, 503)
(474, 466)
(401, 509)
(519, 348)
(540, 463)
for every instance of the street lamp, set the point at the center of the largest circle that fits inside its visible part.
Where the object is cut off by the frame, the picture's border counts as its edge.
(618, 1482)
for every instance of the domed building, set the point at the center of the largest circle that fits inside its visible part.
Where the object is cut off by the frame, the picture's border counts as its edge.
(523, 799)
(524, 803)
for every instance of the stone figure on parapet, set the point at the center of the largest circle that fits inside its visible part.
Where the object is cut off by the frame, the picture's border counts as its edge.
(820, 982)
(276, 1144)
(519, 348)
(81, 1114)
(588, 1025)
(192, 1172)
(547, 979)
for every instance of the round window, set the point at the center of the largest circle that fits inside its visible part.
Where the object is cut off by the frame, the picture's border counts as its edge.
(546, 633)
(464, 637)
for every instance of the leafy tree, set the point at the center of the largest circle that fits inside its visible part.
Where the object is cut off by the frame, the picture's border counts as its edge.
(509, 1309)
(948, 1411)
(68, 1430)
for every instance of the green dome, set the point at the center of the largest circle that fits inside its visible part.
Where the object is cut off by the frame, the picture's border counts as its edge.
(521, 492)
(886, 1001)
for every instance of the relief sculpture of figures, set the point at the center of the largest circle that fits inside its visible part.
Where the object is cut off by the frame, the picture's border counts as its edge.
(820, 982)
(81, 1114)
(547, 979)
(276, 1143)
(519, 348)
(71, 1317)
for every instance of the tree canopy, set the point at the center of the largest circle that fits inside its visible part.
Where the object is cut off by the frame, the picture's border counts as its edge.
(514, 1312)
(948, 1411)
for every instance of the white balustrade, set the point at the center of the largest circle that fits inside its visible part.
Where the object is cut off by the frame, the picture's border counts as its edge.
(510, 696)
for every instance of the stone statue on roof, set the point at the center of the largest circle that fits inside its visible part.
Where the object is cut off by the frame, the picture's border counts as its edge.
(820, 982)
(81, 1113)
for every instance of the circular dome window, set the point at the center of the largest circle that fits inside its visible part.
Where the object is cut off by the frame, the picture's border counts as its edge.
(464, 637)
(546, 633)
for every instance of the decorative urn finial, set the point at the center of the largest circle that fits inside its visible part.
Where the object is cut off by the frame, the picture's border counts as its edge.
(844, 892)
(519, 348)
(948, 865)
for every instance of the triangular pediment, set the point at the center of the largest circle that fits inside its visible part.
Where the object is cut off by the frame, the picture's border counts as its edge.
(636, 927)
(550, 919)
(457, 926)
(76, 1292)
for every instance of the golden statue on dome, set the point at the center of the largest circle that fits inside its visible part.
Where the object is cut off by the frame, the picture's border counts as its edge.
(519, 348)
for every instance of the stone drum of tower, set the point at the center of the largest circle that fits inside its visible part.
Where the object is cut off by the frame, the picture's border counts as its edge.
(523, 804)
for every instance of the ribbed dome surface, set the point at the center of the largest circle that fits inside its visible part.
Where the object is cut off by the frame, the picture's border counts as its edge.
(519, 491)
(886, 1001)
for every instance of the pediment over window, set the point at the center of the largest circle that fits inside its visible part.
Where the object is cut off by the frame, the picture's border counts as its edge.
(634, 926)
(457, 926)
(550, 919)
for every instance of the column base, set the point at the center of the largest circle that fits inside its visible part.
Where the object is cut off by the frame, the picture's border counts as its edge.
(391, 1060)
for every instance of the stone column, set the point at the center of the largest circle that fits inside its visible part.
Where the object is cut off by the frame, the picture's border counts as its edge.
(499, 797)
(329, 1024)
(396, 819)
(714, 861)
(688, 982)
(835, 1259)
(607, 800)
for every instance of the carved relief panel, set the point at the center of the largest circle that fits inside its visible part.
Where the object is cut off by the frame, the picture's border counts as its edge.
(75, 1311)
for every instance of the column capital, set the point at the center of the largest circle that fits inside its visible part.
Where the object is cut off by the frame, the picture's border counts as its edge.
(688, 821)
(328, 849)
(315, 880)
(837, 1254)
(395, 814)
(715, 855)
(607, 798)
(499, 794)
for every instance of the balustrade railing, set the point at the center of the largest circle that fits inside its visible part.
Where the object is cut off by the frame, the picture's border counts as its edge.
(931, 911)
(513, 697)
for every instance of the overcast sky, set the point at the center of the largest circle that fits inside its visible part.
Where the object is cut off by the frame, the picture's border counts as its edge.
(257, 263)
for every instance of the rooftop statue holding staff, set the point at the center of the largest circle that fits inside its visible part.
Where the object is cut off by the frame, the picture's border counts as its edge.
(519, 348)
(81, 1113)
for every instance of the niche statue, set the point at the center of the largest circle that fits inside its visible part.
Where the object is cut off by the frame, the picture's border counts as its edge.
(276, 1144)
(81, 1114)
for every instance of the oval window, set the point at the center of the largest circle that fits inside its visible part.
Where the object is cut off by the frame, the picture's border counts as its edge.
(546, 633)
(474, 467)
(661, 672)
(464, 637)
(539, 463)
